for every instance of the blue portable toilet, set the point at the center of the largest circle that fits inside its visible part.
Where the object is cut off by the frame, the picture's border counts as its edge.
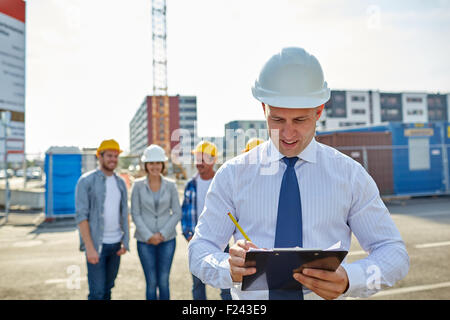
(63, 169)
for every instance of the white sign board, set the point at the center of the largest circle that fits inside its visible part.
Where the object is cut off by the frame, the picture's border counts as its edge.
(12, 77)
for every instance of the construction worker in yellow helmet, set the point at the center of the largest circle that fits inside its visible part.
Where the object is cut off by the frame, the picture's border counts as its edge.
(101, 205)
(108, 155)
(108, 145)
(205, 154)
(206, 147)
(253, 142)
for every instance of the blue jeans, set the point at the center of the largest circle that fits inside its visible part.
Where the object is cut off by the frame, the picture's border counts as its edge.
(101, 276)
(156, 262)
(199, 290)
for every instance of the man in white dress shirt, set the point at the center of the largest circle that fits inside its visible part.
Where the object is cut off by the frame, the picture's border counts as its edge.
(328, 195)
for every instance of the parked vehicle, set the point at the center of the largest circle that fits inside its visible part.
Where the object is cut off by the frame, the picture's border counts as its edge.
(10, 173)
(34, 173)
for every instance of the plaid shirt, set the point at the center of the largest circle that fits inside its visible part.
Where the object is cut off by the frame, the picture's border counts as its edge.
(189, 208)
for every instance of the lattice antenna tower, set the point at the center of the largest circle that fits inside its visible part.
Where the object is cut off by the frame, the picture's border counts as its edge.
(160, 98)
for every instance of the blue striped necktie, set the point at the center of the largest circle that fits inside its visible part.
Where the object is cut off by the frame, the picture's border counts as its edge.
(289, 222)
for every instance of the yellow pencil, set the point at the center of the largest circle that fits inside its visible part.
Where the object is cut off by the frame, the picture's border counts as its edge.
(238, 226)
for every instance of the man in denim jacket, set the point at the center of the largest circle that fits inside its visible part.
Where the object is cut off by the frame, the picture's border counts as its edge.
(194, 198)
(102, 216)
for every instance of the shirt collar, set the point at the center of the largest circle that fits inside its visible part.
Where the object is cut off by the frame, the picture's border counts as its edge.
(102, 174)
(271, 153)
(163, 182)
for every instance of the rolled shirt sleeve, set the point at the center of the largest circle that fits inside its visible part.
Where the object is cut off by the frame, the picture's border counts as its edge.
(81, 201)
(371, 223)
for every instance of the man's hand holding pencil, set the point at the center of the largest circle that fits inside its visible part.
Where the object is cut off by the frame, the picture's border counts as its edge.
(237, 260)
(237, 255)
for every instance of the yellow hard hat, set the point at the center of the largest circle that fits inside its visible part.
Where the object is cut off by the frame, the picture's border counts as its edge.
(253, 142)
(108, 145)
(206, 147)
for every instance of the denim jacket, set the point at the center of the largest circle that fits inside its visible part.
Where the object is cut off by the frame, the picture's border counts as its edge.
(89, 203)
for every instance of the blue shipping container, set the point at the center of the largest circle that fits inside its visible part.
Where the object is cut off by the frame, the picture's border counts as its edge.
(420, 156)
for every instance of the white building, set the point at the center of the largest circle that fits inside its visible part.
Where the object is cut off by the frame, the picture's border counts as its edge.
(415, 107)
(359, 108)
(188, 116)
(139, 130)
(182, 123)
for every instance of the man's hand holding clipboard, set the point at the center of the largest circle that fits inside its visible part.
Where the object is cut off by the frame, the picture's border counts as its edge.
(327, 284)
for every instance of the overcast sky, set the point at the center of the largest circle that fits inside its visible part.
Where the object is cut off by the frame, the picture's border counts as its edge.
(89, 63)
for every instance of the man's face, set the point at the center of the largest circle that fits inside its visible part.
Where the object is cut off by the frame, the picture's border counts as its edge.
(109, 159)
(291, 130)
(204, 162)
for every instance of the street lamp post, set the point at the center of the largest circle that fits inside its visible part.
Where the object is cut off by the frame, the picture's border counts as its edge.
(6, 119)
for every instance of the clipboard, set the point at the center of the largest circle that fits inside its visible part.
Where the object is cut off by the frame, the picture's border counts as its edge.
(274, 268)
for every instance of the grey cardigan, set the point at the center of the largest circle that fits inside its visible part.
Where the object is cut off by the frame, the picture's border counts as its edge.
(147, 219)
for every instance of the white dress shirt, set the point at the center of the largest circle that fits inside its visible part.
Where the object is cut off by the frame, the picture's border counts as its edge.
(338, 197)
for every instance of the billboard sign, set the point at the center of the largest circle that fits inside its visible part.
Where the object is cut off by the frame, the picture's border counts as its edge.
(12, 76)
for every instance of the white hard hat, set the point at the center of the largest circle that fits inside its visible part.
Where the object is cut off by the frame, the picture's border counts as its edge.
(292, 78)
(154, 153)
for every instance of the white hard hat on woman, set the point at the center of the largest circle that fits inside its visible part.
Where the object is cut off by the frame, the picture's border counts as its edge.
(154, 153)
